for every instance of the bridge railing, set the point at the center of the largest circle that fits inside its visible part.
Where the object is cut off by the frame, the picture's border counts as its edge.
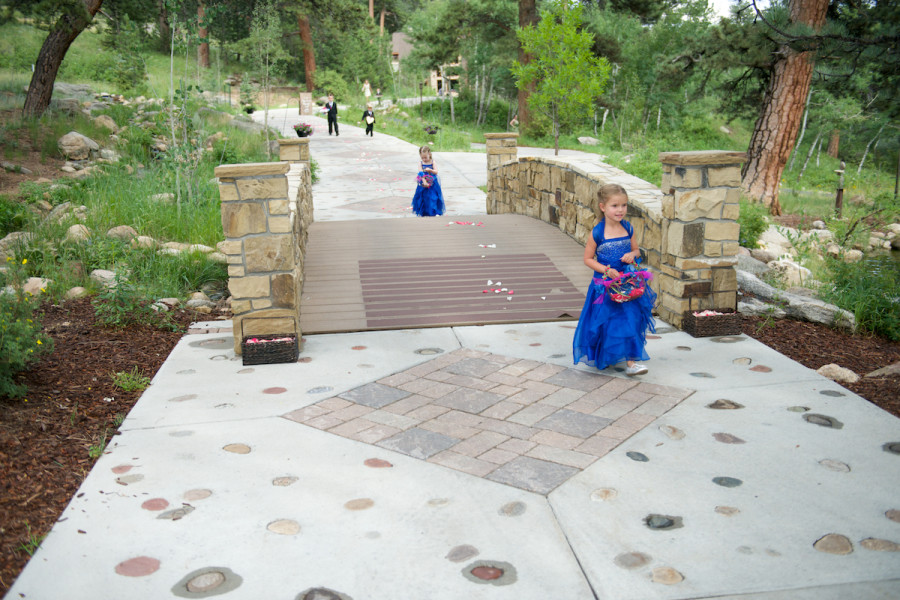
(687, 228)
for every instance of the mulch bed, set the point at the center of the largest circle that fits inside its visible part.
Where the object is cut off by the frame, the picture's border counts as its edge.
(72, 404)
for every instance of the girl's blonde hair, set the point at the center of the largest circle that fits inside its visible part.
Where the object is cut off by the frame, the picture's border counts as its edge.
(608, 191)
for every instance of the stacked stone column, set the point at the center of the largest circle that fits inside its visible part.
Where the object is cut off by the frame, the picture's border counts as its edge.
(500, 148)
(700, 207)
(294, 150)
(265, 231)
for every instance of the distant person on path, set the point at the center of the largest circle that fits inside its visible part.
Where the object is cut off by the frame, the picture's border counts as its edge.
(428, 200)
(367, 90)
(369, 118)
(514, 123)
(331, 108)
(378, 95)
(610, 330)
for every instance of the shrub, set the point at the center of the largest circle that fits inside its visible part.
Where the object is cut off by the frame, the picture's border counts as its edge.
(870, 290)
(753, 222)
(122, 305)
(21, 340)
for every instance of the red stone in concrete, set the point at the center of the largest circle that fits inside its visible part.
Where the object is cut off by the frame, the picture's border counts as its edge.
(377, 463)
(138, 566)
(155, 504)
(487, 573)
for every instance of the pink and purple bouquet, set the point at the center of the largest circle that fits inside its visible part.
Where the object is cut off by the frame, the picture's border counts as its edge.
(426, 180)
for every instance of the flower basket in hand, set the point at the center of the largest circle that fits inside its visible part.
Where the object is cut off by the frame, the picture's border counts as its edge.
(628, 286)
(425, 180)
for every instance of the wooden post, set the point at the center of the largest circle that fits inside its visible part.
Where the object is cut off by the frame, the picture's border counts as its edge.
(839, 198)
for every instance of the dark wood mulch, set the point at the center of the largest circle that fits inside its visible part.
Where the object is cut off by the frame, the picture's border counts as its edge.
(72, 404)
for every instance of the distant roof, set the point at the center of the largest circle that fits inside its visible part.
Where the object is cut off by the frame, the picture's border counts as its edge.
(400, 44)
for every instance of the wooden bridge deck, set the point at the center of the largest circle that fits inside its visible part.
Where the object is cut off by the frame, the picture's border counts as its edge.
(410, 273)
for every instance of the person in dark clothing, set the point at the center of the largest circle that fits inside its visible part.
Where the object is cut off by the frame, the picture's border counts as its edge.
(369, 118)
(331, 107)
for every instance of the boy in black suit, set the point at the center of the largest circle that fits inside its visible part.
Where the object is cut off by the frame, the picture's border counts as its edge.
(369, 118)
(331, 105)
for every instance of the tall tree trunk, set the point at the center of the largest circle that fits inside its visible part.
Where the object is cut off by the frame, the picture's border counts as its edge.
(162, 23)
(381, 22)
(53, 51)
(782, 110)
(834, 144)
(203, 32)
(528, 15)
(372, 10)
(309, 55)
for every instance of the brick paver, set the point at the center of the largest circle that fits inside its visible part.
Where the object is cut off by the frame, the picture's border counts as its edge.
(523, 423)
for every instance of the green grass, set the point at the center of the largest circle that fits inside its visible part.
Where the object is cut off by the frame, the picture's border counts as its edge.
(131, 381)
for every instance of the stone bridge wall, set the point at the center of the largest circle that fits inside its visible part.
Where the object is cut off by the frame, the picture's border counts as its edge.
(266, 224)
(688, 230)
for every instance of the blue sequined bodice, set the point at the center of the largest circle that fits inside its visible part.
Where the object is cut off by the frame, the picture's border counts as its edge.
(611, 251)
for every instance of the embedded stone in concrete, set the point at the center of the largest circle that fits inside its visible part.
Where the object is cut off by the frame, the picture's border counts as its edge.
(835, 465)
(129, 479)
(604, 494)
(177, 513)
(728, 511)
(377, 463)
(198, 494)
(723, 404)
(322, 389)
(832, 393)
(206, 582)
(284, 527)
(834, 543)
(573, 423)
(418, 443)
(727, 438)
(703, 375)
(637, 456)
(823, 421)
(490, 572)
(798, 409)
(321, 593)
(743, 361)
(237, 448)
(727, 339)
(532, 474)
(374, 395)
(671, 432)
(155, 504)
(578, 380)
(683, 348)
(274, 390)
(729, 482)
(285, 481)
(879, 545)
(429, 351)
(893, 515)
(184, 398)
(632, 560)
(892, 447)
(663, 522)
(513, 509)
(469, 400)
(666, 576)
(138, 566)
(359, 504)
(761, 369)
(121, 469)
(474, 367)
(461, 553)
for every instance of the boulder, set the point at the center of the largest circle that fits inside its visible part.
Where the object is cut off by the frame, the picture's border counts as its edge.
(838, 373)
(122, 232)
(200, 248)
(853, 256)
(14, 239)
(217, 257)
(69, 106)
(34, 286)
(143, 241)
(104, 277)
(107, 122)
(818, 224)
(888, 371)
(76, 292)
(775, 240)
(895, 243)
(790, 272)
(77, 233)
(75, 146)
(110, 155)
(752, 265)
(588, 141)
(763, 256)
(798, 307)
(177, 246)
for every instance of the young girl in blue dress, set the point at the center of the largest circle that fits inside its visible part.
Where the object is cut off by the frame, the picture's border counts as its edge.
(611, 332)
(428, 200)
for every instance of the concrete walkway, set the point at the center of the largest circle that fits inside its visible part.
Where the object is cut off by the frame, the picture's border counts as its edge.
(477, 462)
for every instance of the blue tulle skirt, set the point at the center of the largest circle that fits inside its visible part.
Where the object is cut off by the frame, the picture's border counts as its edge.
(611, 332)
(428, 201)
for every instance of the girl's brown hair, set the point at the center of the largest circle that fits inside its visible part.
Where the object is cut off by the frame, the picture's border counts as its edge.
(424, 149)
(608, 191)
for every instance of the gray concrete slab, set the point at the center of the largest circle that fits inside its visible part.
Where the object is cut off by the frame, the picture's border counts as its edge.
(762, 479)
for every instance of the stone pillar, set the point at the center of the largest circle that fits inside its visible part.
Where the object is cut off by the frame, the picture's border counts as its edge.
(306, 103)
(501, 148)
(294, 150)
(262, 227)
(700, 206)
